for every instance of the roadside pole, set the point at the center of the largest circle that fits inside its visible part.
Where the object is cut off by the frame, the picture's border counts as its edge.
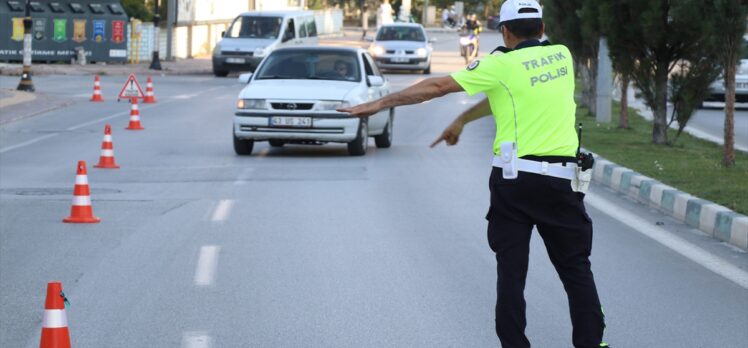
(171, 18)
(604, 83)
(155, 61)
(26, 84)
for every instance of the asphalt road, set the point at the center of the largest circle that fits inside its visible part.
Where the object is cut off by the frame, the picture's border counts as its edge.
(305, 246)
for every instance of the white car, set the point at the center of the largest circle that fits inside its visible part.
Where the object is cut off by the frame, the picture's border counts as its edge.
(293, 95)
(402, 46)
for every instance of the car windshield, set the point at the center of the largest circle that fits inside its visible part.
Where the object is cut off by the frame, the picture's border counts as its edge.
(310, 65)
(394, 33)
(255, 27)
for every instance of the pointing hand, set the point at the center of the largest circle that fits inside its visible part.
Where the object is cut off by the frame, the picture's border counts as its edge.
(451, 134)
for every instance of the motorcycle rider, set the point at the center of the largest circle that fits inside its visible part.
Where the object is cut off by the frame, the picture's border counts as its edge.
(472, 26)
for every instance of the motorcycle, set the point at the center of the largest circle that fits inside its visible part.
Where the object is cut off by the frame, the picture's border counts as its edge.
(469, 45)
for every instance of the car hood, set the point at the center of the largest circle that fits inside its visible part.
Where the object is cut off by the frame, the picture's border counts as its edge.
(401, 45)
(243, 45)
(297, 89)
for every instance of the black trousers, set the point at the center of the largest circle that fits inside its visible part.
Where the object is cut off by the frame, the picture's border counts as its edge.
(548, 203)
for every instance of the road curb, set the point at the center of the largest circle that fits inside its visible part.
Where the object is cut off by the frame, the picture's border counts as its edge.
(711, 218)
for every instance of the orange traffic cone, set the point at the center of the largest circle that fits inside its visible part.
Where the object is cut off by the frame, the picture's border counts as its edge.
(82, 211)
(134, 116)
(55, 324)
(106, 160)
(149, 97)
(97, 90)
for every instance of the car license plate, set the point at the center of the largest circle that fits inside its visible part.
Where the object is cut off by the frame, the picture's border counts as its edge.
(399, 60)
(296, 122)
(236, 60)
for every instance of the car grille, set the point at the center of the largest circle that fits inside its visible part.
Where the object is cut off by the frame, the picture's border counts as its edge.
(292, 106)
(237, 53)
(406, 52)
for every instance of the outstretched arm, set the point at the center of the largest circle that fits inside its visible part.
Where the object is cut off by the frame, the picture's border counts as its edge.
(425, 90)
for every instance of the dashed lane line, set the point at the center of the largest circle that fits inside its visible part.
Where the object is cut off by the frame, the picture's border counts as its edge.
(222, 210)
(206, 265)
(195, 339)
(671, 241)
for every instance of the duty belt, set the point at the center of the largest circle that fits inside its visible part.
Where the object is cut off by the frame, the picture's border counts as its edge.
(558, 170)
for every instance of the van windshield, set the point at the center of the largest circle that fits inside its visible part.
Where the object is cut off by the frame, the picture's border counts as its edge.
(255, 27)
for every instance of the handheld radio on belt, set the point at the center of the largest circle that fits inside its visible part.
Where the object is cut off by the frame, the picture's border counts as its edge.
(584, 160)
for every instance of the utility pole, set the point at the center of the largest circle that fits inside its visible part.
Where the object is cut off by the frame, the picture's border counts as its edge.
(155, 61)
(171, 18)
(26, 84)
(423, 12)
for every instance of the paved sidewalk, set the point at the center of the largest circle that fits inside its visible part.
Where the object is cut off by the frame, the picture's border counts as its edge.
(16, 105)
(178, 67)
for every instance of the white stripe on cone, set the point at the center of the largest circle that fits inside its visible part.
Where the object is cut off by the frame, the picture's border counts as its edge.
(134, 106)
(108, 138)
(134, 118)
(82, 200)
(107, 153)
(81, 179)
(55, 319)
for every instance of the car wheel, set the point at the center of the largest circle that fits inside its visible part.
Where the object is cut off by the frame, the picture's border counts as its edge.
(243, 146)
(276, 143)
(384, 140)
(358, 146)
(220, 73)
(427, 71)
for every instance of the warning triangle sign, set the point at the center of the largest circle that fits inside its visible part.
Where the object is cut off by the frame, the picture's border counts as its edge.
(131, 89)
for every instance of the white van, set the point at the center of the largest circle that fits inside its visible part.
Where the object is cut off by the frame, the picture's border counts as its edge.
(253, 35)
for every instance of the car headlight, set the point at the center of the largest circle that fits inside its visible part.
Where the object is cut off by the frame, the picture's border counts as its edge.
(328, 105)
(259, 52)
(377, 50)
(255, 104)
(421, 52)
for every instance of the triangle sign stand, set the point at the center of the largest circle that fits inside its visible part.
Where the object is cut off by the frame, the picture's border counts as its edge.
(131, 89)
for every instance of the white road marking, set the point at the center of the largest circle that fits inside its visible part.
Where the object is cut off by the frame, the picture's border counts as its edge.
(242, 179)
(29, 142)
(195, 339)
(98, 120)
(206, 265)
(675, 243)
(222, 211)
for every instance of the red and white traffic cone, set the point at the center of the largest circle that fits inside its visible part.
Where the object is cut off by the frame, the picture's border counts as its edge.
(149, 97)
(134, 116)
(106, 160)
(82, 211)
(97, 90)
(55, 332)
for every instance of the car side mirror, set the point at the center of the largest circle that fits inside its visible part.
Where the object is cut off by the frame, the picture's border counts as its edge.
(375, 81)
(244, 78)
(369, 39)
(432, 40)
(287, 36)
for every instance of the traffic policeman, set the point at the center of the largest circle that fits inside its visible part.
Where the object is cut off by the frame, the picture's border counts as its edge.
(538, 177)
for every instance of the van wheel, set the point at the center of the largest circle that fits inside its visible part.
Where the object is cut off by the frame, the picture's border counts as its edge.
(243, 146)
(427, 71)
(276, 143)
(384, 140)
(358, 146)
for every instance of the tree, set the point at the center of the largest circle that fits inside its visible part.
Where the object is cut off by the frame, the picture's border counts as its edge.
(730, 18)
(575, 23)
(616, 24)
(138, 9)
(689, 86)
(664, 34)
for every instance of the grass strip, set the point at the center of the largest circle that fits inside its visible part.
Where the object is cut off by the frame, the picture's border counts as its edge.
(690, 164)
